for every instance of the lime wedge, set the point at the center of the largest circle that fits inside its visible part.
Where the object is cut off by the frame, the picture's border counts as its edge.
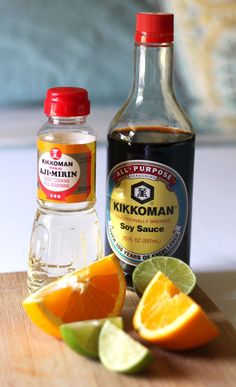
(177, 271)
(82, 336)
(119, 352)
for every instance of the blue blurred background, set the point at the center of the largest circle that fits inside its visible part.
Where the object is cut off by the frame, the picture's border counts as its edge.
(90, 44)
(86, 43)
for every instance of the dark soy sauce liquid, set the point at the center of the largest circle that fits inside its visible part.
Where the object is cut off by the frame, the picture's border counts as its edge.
(174, 148)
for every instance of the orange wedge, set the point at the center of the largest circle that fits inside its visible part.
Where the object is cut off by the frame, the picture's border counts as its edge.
(93, 292)
(170, 318)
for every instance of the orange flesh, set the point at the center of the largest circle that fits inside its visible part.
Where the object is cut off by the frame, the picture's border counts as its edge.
(170, 318)
(97, 288)
(97, 291)
(166, 312)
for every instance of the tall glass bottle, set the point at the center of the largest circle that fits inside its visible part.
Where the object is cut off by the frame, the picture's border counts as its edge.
(150, 157)
(66, 231)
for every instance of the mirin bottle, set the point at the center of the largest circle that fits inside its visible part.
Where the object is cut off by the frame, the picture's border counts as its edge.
(150, 157)
(66, 231)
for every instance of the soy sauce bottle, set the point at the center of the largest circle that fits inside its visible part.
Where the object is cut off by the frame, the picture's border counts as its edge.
(150, 157)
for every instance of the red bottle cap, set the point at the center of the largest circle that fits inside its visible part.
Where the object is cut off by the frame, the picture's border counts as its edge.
(67, 102)
(154, 27)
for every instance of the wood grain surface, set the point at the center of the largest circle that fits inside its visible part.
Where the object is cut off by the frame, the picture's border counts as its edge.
(29, 357)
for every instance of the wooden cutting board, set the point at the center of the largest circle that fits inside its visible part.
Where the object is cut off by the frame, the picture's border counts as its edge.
(29, 357)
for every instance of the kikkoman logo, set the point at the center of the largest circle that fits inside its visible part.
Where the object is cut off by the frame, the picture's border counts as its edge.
(142, 192)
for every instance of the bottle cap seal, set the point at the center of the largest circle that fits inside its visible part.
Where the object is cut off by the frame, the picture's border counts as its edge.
(67, 102)
(154, 27)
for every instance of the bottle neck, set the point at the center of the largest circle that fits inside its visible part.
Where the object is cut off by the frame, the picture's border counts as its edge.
(152, 72)
(67, 120)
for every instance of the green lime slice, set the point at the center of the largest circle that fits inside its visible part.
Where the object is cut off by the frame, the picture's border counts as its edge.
(119, 352)
(177, 271)
(82, 336)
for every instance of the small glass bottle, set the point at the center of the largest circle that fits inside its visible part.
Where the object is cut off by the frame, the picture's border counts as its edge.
(66, 231)
(150, 157)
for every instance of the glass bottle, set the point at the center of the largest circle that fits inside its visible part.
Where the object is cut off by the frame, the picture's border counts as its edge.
(150, 157)
(66, 231)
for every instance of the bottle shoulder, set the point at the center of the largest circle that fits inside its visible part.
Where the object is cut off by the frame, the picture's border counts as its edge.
(53, 207)
(69, 133)
(166, 114)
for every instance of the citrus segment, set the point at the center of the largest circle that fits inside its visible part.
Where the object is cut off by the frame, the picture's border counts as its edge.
(119, 352)
(175, 269)
(170, 318)
(93, 292)
(82, 336)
